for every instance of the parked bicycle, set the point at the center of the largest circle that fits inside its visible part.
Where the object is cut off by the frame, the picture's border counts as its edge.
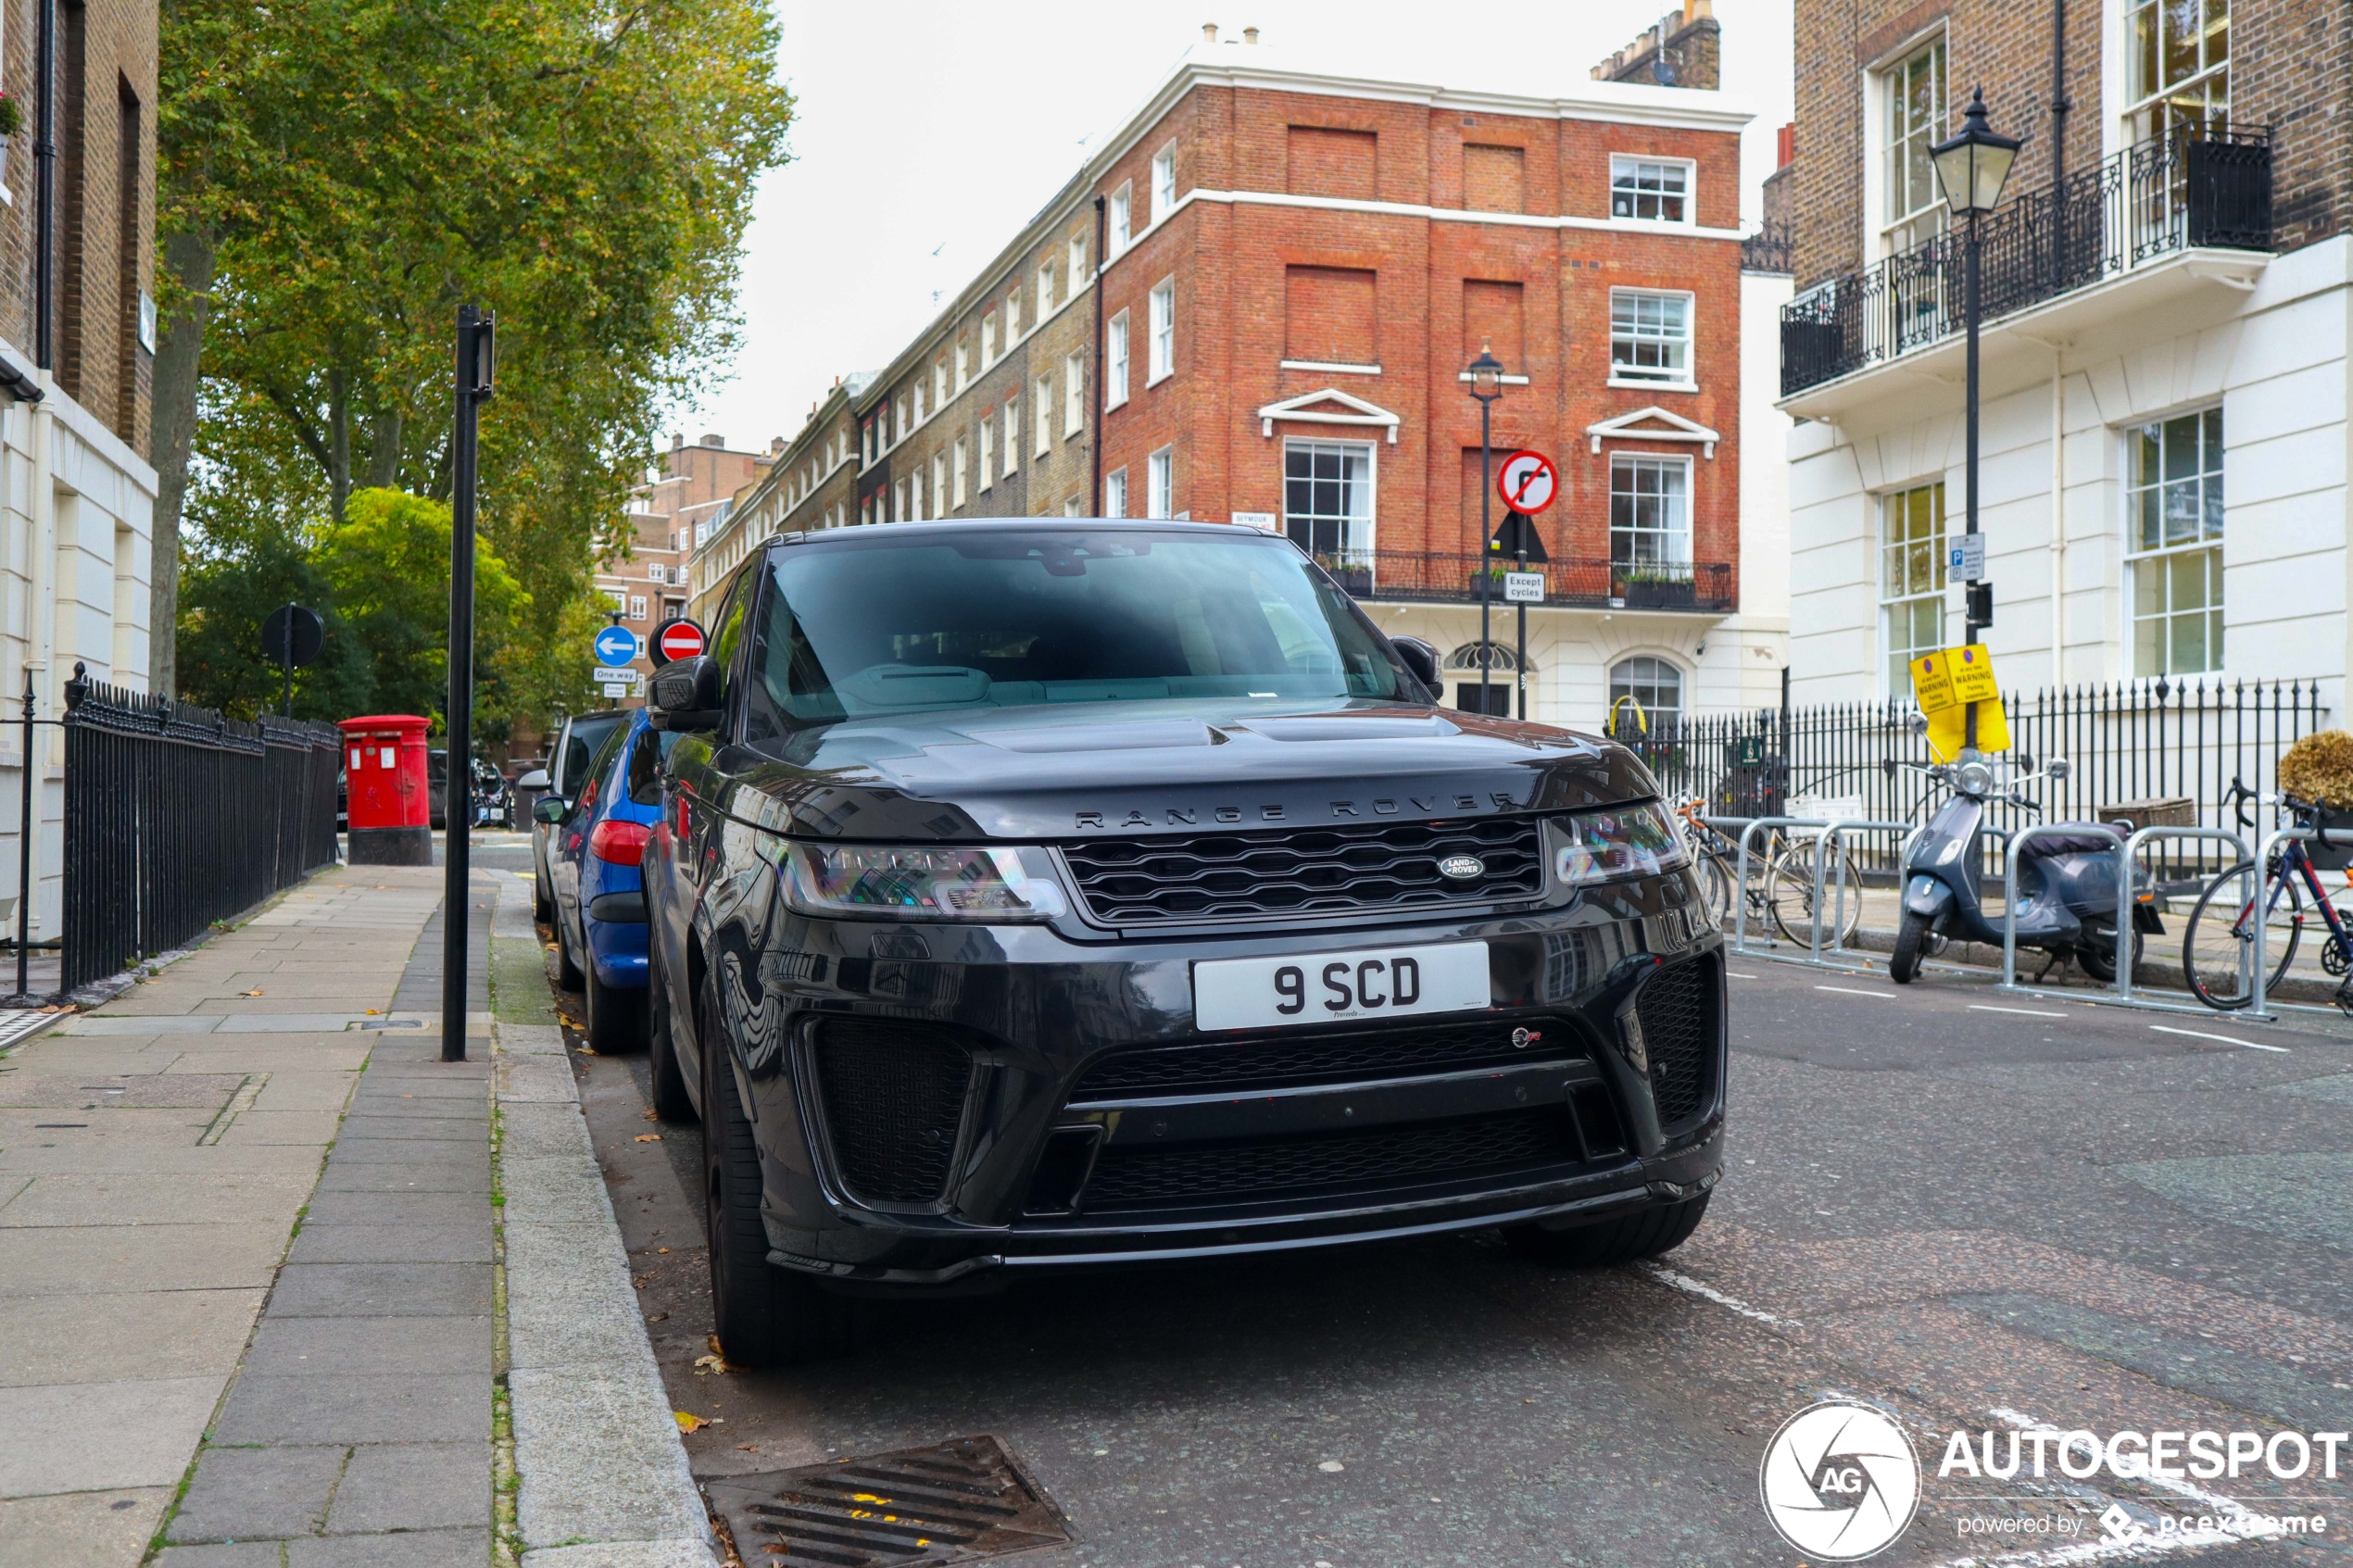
(2229, 903)
(1781, 878)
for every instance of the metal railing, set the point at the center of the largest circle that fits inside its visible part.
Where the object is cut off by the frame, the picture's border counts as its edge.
(1829, 831)
(1768, 250)
(1710, 588)
(2184, 741)
(2209, 186)
(176, 817)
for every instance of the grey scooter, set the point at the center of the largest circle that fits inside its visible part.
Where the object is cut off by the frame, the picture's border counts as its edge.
(2066, 889)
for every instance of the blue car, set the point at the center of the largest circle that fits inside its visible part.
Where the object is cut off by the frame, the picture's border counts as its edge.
(595, 842)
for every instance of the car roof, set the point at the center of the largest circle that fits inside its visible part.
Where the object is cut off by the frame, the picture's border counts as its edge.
(868, 532)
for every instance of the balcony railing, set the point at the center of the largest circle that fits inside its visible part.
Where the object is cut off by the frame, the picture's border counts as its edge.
(2171, 193)
(1704, 586)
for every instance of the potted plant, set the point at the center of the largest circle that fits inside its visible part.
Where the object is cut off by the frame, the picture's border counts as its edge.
(1656, 588)
(12, 120)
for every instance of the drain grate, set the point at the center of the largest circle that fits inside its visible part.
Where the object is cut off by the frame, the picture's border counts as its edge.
(957, 1502)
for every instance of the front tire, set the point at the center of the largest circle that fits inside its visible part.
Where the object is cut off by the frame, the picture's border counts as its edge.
(2225, 912)
(616, 1017)
(1629, 1240)
(765, 1316)
(671, 1103)
(1911, 946)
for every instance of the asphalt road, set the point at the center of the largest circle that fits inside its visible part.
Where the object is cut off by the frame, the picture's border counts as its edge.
(1938, 1199)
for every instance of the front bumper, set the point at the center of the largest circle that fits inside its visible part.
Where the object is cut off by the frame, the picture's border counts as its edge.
(1075, 1117)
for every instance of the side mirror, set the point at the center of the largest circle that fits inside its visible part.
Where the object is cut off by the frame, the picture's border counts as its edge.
(1420, 658)
(1918, 723)
(550, 809)
(535, 779)
(684, 694)
(2061, 768)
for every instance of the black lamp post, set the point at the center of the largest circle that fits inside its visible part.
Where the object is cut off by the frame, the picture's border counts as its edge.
(1487, 384)
(1971, 165)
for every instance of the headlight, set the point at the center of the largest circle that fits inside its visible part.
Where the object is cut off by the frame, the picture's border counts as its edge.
(894, 882)
(1623, 841)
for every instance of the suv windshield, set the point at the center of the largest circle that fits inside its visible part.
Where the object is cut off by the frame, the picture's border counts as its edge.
(1008, 620)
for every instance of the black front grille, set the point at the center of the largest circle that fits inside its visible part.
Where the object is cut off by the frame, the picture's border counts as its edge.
(1300, 871)
(1677, 1010)
(1294, 1167)
(892, 1094)
(1393, 1052)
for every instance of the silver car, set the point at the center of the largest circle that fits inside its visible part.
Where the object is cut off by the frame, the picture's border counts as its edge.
(576, 742)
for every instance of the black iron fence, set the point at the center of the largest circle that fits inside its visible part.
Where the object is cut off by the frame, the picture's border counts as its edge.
(2152, 752)
(1386, 575)
(2210, 186)
(176, 817)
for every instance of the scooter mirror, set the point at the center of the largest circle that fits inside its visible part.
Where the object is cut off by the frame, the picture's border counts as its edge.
(1919, 723)
(2059, 768)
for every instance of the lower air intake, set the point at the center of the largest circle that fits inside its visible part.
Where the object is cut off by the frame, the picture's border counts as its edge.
(892, 1094)
(1678, 1008)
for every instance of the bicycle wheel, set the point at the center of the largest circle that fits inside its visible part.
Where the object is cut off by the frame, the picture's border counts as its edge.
(1716, 884)
(1789, 890)
(2222, 977)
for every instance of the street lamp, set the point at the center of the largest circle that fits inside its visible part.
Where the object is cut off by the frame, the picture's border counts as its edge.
(1487, 384)
(1971, 165)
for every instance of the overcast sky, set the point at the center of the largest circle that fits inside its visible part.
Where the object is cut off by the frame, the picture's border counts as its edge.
(928, 133)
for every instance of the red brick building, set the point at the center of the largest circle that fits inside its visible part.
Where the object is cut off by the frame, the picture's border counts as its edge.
(1265, 291)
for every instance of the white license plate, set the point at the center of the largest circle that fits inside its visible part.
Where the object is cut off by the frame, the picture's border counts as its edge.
(1336, 988)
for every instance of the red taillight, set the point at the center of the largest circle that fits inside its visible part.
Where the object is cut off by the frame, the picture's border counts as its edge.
(618, 842)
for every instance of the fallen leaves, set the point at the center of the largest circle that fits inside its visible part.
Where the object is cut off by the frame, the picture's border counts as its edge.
(688, 1422)
(255, 992)
(649, 1114)
(715, 1362)
(646, 1138)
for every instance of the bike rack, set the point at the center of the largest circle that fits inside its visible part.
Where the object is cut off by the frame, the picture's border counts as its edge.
(2258, 1004)
(1831, 830)
(2124, 910)
(2010, 892)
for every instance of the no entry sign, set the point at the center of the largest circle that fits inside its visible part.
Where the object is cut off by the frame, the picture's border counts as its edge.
(1526, 481)
(677, 639)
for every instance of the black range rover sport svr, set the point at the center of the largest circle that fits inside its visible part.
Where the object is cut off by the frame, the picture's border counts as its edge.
(1035, 894)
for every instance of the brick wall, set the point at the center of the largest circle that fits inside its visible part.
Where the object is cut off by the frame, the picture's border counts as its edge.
(2292, 68)
(1685, 49)
(105, 251)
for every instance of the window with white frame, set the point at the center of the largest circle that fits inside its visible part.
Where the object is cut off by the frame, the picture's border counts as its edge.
(1162, 349)
(939, 485)
(657, 571)
(903, 514)
(919, 403)
(1077, 260)
(2173, 545)
(1160, 483)
(1650, 336)
(1012, 317)
(2178, 66)
(636, 607)
(898, 431)
(1045, 288)
(1650, 514)
(915, 507)
(963, 367)
(1163, 182)
(1328, 501)
(1070, 507)
(1911, 581)
(1655, 190)
(1013, 433)
(1042, 420)
(1073, 395)
(1651, 686)
(1115, 492)
(1115, 378)
(870, 440)
(940, 383)
(987, 450)
(988, 339)
(1119, 221)
(959, 472)
(1912, 96)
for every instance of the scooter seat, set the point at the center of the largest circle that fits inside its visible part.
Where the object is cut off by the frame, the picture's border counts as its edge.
(2045, 847)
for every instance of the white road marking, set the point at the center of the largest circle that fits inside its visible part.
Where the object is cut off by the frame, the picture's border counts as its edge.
(2023, 1012)
(1850, 991)
(1738, 975)
(2226, 1039)
(1690, 1286)
(2241, 1525)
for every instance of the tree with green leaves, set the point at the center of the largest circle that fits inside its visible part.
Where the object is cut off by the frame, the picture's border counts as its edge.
(338, 175)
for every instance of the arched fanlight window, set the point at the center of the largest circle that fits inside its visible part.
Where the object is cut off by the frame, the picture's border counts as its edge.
(1646, 697)
(1466, 657)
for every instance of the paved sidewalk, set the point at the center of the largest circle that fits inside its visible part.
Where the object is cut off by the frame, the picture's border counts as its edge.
(154, 1158)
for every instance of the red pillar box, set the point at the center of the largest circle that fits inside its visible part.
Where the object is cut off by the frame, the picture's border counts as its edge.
(389, 812)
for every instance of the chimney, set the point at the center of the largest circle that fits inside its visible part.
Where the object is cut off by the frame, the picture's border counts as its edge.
(1209, 32)
(1250, 35)
(677, 439)
(1785, 146)
(776, 443)
(714, 441)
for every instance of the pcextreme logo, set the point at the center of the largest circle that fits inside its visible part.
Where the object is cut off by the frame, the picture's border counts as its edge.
(1840, 1481)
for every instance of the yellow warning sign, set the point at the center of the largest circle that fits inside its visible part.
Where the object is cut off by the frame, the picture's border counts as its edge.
(1948, 685)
